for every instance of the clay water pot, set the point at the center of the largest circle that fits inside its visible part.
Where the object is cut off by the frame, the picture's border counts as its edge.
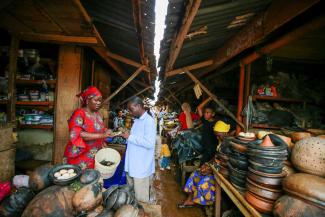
(260, 204)
(238, 147)
(297, 136)
(308, 156)
(307, 187)
(267, 142)
(288, 206)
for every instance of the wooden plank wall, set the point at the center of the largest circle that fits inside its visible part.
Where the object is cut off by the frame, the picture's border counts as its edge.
(68, 85)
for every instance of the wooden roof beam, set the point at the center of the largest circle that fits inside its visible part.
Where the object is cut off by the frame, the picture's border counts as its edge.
(85, 40)
(89, 20)
(126, 60)
(137, 17)
(277, 14)
(191, 67)
(102, 52)
(178, 41)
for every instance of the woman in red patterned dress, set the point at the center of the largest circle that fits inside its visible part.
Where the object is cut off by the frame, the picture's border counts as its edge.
(87, 130)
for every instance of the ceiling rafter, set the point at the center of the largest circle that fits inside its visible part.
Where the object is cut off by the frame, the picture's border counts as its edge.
(177, 43)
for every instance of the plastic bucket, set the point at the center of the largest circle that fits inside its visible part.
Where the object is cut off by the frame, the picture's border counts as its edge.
(107, 154)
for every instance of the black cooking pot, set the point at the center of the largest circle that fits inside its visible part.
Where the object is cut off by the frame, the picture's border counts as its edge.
(236, 172)
(238, 181)
(267, 161)
(265, 169)
(238, 163)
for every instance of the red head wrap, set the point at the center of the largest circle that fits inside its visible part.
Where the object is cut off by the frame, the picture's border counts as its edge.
(88, 93)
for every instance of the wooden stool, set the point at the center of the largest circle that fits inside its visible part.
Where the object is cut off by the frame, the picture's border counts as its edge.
(186, 169)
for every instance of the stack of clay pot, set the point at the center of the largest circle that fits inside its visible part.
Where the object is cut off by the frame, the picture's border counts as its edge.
(265, 172)
(305, 191)
(222, 157)
(238, 161)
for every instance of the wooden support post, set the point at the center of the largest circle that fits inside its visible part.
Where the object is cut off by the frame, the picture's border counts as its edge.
(13, 55)
(135, 74)
(190, 68)
(247, 83)
(214, 97)
(68, 85)
(138, 93)
(240, 96)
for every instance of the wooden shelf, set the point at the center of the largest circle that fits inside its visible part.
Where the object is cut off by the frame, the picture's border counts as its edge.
(280, 99)
(23, 81)
(3, 102)
(34, 126)
(36, 103)
(265, 126)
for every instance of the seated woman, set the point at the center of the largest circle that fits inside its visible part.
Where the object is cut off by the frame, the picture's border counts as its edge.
(186, 118)
(86, 129)
(201, 184)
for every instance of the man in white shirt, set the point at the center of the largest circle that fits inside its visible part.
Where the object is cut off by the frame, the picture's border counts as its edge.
(139, 158)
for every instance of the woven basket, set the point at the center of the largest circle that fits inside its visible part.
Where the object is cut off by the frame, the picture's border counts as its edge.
(7, 164)
(6, 141)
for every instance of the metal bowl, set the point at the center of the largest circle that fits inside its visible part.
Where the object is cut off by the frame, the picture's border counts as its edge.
(64, 182)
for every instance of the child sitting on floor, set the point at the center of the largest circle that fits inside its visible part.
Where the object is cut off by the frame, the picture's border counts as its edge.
(164, 155)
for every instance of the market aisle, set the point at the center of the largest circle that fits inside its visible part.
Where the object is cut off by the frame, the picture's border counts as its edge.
(168, 194)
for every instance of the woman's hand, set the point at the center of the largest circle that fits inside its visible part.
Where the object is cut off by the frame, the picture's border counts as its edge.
(125, 135)
(107, 133)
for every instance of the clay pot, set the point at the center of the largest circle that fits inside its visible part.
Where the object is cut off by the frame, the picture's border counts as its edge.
(307, 187)
(267, 142)
(287, 140)
(262, 191)
(288, 206)
(240, 164)
(260, 204)
(308, 156)
(39, 178)
(297, 136)
(127, 211)
(238, 147)
(54, 201)
(224, 171)
(266, 180)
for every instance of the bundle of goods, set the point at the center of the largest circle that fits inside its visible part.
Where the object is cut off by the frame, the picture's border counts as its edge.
(187, 145)
(306, 190)
(74, 193)
(238, 162)
(222, 157)
(265, 172)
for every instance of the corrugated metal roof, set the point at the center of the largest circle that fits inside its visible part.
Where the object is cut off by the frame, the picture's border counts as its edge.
(115, 23)
(216, 15)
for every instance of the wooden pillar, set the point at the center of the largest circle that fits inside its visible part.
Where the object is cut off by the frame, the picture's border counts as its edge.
(240, 96)
(13, 55)
(247, 83)
(68, 85)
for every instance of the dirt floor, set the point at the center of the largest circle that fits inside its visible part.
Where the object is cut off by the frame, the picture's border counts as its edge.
(168, 192)
(168, 195)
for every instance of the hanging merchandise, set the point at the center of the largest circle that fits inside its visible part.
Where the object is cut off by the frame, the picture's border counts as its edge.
(197, 91)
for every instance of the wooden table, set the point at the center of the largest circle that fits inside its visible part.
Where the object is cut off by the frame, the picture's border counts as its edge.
(221, 183)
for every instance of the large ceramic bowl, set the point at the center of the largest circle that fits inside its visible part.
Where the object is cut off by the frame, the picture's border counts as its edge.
(260, 204)
(68, 181)
(308, 155)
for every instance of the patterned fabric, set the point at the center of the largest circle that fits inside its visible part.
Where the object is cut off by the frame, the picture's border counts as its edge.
(78, 151)
(201, 187)
(90, 92)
